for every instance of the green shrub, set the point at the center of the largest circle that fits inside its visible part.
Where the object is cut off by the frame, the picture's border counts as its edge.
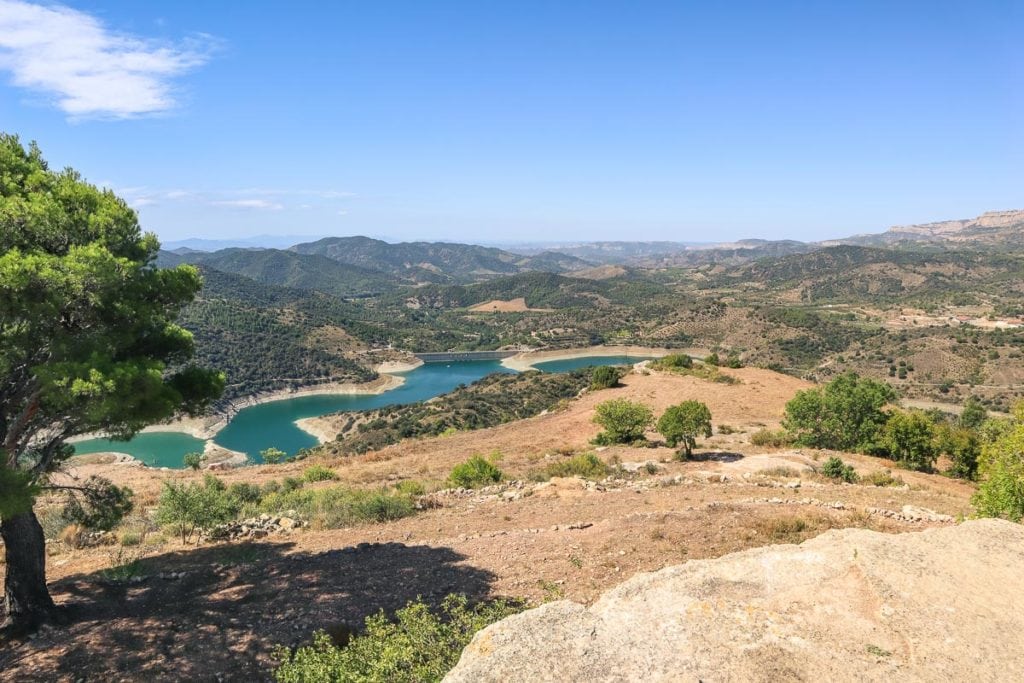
(585, 465)
(194, 507)
(1001, 469)
(474, 473)
(193, 460)
(383, 507)
(882, 478)
(771, 438)
(244, 492)
(411, 487)
(834, 468)
(675, 360)
(910, 439)
(316, 473)
(272, 456)
(846, 414)
(623, 420)
(130, 539)
(419, 646)
(291, 484)
(338, 506)
(604, 377)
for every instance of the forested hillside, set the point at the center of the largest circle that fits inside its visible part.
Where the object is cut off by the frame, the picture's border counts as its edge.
(434, 261)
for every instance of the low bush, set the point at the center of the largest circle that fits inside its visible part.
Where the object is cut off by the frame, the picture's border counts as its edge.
(338, 506)
(411, 487)
(316, 473)
(604, 377)
(834, 468)
(244, 492)
(585, 465)
(771, 438)
(882, 478)
(474, 473)
(418, 646)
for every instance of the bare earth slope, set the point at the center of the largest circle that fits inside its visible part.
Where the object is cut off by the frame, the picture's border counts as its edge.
(848, 605)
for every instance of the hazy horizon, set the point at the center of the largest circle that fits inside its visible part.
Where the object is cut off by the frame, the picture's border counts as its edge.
(532, 122)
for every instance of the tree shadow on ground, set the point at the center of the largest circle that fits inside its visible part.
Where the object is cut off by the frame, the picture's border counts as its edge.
(235, 602)
(716, 456)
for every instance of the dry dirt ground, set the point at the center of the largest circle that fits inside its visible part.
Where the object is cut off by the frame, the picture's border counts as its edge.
(509, 306)
(217, 610)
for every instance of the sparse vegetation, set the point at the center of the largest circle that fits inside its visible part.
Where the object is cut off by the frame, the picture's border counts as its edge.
(419, 646)
(317, 473)
(771, 438)
(584, 465)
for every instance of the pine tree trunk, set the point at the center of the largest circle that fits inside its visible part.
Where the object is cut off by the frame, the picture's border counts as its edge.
(27, 601)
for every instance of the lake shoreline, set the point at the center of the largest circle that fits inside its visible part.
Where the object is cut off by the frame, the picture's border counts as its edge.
(206, 428)
(526, 360)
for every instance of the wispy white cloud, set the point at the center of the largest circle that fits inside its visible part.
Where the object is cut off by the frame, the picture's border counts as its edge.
(250, 204)
(87, 69)
(141, 202)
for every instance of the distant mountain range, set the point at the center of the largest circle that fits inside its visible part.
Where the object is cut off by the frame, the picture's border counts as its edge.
(363, 266)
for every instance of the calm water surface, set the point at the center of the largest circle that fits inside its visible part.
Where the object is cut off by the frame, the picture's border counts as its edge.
(272, 424)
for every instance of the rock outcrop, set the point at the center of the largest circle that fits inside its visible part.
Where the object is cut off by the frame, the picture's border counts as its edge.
(944, 604)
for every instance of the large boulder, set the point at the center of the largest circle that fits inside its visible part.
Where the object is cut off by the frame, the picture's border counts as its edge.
(944, 604)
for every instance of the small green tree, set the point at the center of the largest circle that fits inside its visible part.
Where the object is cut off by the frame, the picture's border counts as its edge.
(683, 423)
(962, 446)
(624, 421)
(1001, 469)
(974, 414)
(196, 507)
(845, 415)
(273, 456)
(909, 437)
(193, 460)
(604, 377)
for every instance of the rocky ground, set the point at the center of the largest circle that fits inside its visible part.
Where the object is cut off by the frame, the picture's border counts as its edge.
(218, 610)
(850, 605)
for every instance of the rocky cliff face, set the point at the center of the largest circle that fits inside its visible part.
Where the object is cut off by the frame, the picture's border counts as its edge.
(851, 605)
(991, 227)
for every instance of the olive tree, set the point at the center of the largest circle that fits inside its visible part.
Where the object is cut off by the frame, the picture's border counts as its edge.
(683, 423)
(88, 343)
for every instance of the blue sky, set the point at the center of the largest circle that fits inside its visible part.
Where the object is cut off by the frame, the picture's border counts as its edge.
(526, 121)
